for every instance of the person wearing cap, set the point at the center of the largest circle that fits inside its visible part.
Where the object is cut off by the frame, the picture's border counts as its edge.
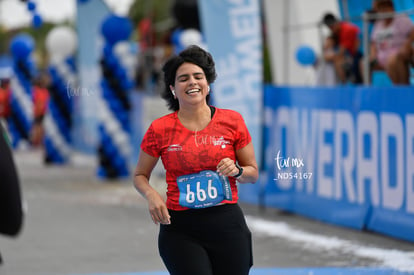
(392, 41)
(345, 54)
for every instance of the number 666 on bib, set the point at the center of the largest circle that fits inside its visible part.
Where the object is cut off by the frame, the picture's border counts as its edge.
(203, 189)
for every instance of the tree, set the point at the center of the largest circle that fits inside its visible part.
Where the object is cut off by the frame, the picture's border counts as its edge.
(157, 11)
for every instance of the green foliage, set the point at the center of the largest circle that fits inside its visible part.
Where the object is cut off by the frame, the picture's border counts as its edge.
(267, 69)
(4, 40)
(158, 11)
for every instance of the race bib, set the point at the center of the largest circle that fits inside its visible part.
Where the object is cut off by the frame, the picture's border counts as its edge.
(203, 189)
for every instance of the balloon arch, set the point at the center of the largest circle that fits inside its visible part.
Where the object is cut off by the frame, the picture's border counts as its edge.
(117, 64)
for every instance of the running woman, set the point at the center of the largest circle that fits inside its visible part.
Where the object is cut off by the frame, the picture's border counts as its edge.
(204, 150)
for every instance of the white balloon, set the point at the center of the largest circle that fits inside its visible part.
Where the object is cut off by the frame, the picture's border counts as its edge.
(103, 113)
(125, 149)
(130, 62)
(61, 42)
(122, 49)
(190, 37)
(53, 135)
(58, 142)
(111, 127)
(63, 70)
(120, 139)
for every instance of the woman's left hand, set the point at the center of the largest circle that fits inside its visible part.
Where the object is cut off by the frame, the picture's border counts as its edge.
(227, 167)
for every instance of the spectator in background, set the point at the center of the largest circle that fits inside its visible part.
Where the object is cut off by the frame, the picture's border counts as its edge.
(40, 103)
(325, 71)
(5, 95)
(342, 49)
(392, 44)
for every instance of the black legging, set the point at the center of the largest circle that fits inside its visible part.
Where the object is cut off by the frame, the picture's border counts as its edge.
(11, 214)
(210, 241)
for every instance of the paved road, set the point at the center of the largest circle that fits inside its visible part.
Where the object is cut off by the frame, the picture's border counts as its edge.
(77, 224)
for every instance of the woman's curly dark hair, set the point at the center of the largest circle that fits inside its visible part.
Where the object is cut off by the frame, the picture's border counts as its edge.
(192, 54)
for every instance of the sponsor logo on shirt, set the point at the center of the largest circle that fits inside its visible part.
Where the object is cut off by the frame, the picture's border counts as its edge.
(210, 140)
(221, 142)
(174, 148)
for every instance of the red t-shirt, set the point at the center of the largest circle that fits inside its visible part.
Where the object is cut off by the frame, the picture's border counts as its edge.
(186, 152)
(40, 101)
(4, 102)
(348, 37)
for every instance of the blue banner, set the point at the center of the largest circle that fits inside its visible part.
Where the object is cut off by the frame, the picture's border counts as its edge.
(233, 33)
(342, 155)
(90, 15)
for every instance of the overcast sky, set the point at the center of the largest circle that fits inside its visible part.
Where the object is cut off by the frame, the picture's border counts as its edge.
(14, 13)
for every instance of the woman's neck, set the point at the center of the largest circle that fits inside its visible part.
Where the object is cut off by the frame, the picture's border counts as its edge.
(195, 119)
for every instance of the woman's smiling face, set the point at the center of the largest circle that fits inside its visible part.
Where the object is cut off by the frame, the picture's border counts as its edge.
(191, 86)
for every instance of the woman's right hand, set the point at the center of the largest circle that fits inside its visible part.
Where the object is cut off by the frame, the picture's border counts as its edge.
(156, 205)
(157, 208)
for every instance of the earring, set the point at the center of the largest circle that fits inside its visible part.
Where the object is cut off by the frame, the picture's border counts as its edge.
(208, 89)
(173, 92)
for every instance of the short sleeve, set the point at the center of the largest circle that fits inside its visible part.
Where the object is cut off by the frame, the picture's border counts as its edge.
(242, 134)
(404, 25)
(150, 144)
(349, 37)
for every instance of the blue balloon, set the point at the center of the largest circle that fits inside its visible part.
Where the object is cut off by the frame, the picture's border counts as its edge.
(21, 46)
(71, 62)
(176, 41)
(120, 72)
(175, 36)
(123, 172)
(82, 1)
(37, 20)
(31, 6)
(107, 50)
(305, 55)
(116, 28)
(111, 150)
(118, 161)
(101, 173)
(127, 84)
(111, 61)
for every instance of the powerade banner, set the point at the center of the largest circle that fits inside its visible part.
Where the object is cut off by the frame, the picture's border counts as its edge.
(233, 33)
(342, 155)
